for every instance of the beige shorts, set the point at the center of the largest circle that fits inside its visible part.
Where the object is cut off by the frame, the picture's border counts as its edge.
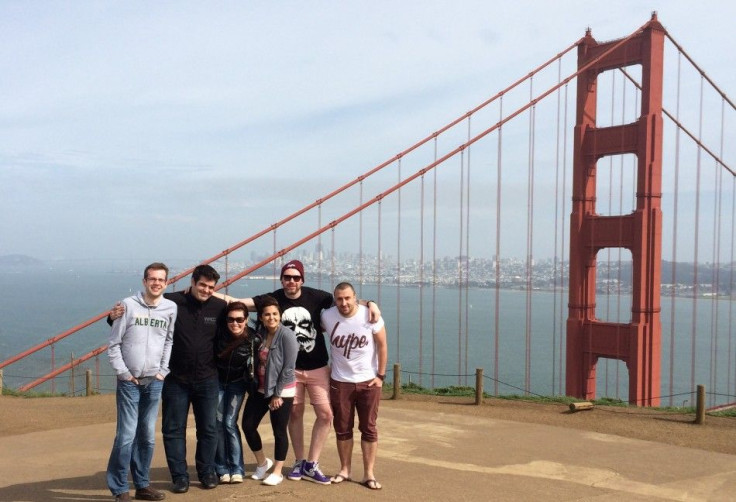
(316, 383)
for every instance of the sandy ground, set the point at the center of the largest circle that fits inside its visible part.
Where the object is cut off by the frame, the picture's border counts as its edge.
(718, 434)
(430, 449)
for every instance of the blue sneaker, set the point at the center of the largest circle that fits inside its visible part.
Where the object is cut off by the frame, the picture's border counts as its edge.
(295, 474)
(311, 472)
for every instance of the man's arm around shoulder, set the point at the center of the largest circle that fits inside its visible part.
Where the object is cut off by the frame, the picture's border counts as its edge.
(249, 303)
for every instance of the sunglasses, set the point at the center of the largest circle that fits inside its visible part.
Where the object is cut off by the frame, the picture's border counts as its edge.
(287, 278)
(238, 320)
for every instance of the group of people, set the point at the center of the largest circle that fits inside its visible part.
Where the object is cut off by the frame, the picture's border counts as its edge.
(195, 348)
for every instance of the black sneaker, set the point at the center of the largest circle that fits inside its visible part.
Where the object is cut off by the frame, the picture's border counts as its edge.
(209, 481)
(181, 485)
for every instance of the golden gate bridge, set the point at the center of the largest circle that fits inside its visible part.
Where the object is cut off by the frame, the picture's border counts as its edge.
(610, 158)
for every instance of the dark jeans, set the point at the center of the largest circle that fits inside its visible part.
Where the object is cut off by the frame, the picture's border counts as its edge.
(176, 398)
(255, 409)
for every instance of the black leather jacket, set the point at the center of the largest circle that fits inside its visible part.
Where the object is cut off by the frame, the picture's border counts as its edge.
(236, 364)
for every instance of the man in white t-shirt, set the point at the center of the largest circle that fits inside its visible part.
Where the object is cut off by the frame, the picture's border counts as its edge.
(359, 353)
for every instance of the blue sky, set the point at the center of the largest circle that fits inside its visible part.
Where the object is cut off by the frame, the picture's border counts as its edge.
(171, 130)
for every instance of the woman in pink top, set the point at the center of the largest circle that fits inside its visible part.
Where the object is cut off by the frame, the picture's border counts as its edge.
(275, 362)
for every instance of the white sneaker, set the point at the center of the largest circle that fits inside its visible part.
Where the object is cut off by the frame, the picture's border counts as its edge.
(224, 479)
(261, 470)
(273, 479)
(236, 478)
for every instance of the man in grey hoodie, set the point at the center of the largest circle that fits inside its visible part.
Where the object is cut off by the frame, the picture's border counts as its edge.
(139, 348)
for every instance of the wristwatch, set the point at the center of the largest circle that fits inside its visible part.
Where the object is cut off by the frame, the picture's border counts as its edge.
(381, 377)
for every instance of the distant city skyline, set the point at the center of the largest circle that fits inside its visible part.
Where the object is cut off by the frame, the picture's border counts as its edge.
(613, 277)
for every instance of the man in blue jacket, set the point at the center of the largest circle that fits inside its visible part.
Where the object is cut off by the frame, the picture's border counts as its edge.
(301, 306)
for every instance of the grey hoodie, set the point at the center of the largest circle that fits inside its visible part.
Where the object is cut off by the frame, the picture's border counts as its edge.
(140, 341)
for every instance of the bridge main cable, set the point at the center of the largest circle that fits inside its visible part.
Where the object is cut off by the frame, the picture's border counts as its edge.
(428, 167)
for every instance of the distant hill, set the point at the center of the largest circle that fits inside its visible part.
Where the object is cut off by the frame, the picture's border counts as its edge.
(19, 261)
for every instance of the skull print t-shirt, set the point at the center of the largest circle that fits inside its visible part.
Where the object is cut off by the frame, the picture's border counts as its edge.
(302, 315)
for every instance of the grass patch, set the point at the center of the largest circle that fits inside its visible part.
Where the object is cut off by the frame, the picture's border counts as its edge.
(731, 412)
(453, 390)
(14, 393)
(461, 391)
(610, 401)
(536, 399)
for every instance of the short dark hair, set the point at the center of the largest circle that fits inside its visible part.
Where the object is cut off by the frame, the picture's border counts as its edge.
(206, 272)
(157, 265)
(268, 301)
(345, 285)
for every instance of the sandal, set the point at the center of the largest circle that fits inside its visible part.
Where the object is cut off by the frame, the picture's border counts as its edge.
(339, 478)
(371, 484)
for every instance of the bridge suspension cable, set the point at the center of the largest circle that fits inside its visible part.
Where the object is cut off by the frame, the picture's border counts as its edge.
(272, 229)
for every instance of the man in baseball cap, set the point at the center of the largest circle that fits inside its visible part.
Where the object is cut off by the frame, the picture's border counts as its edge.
(301, 307)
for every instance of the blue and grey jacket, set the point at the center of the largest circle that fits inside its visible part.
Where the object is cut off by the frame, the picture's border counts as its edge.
(281, 361)
(140, 342)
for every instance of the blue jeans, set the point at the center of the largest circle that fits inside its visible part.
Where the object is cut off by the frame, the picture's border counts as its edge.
(229, 458)
(137, 407)
(177, 396)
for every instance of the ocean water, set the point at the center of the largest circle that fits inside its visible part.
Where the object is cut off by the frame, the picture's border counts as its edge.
(35, 306)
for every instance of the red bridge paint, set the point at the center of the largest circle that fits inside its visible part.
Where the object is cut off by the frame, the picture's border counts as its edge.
(637, 343)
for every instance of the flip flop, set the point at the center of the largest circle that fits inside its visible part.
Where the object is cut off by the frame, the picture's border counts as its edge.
(371, 484)
(339, 478)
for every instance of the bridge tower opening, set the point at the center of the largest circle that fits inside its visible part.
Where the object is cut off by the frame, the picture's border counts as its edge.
(637, 343)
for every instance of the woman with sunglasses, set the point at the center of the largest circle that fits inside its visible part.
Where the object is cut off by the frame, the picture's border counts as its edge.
(275, 360)
(234, 349)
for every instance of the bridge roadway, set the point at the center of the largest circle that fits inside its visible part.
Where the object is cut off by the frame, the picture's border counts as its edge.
(446, 455)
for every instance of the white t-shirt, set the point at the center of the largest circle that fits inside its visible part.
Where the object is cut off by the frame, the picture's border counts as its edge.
(352, 347)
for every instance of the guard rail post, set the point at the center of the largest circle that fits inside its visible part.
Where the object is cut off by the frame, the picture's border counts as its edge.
(700, 408)
(397, 381)
(478, 386)
(88, 375)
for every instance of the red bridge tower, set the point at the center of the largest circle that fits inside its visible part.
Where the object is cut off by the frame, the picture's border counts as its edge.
(588, 339)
